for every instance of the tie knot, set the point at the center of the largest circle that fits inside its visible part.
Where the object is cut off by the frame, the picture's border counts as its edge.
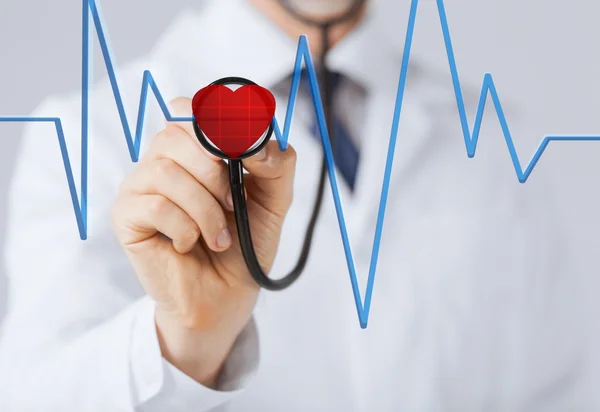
(333, 80)
(345, 152)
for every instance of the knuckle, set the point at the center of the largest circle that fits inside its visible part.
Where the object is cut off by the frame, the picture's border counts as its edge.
(161, 140)
(128, 184)
(213, 214)
(165, 167)
(218, 176)
(211, 171)
(191, 234)
(180, 105)
(120, 224)
(158, 205)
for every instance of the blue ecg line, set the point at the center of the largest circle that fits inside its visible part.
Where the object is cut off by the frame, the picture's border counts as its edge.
(303, 55)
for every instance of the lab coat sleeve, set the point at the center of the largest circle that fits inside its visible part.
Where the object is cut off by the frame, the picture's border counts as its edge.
(79, 333)
(178, 392)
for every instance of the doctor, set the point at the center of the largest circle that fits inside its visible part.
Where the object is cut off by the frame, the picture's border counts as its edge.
(473, 308)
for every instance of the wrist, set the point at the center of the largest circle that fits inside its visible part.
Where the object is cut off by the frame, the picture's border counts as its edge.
(198, 353)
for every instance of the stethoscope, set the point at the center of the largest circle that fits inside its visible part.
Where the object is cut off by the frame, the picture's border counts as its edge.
(236, 173)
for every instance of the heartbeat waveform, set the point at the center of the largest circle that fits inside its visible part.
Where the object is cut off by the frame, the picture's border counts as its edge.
(303, 55)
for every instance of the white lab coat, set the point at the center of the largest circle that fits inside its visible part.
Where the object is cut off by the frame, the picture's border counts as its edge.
(474, 308)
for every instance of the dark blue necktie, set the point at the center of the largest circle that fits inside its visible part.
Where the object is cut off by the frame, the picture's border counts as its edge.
(345, 153)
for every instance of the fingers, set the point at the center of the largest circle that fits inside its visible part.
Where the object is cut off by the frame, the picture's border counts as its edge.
(272, 171)
(272, 174)
(166, 178)
(152, 213)
(175, 144)
(182, 107)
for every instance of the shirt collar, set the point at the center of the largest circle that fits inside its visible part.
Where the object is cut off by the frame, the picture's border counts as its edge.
(363, 52)
(232, 38)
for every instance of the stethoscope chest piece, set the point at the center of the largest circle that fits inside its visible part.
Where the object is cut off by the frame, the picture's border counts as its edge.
(234, 125)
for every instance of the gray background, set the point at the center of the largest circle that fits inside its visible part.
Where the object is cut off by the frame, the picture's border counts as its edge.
(543, 55)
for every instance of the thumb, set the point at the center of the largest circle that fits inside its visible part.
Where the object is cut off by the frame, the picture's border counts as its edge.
(272, 177)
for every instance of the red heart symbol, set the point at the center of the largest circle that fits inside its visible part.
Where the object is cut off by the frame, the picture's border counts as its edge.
(233, 120)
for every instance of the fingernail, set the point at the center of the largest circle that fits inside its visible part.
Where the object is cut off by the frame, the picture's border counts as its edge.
(224, 239)
(262, 154)
(229, 200)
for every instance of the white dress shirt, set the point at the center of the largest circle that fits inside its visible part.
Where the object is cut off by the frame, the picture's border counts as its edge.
(473, 307)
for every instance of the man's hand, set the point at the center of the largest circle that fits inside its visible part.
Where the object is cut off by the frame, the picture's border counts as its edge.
(173, 216)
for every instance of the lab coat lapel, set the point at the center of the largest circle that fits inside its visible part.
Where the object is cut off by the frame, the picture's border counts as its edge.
(413, 131)
(370, 57)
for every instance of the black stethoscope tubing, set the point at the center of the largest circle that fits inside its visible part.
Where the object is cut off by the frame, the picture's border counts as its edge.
(236, 171)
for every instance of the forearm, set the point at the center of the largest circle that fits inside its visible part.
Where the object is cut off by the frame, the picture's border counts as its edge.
(116, 365)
